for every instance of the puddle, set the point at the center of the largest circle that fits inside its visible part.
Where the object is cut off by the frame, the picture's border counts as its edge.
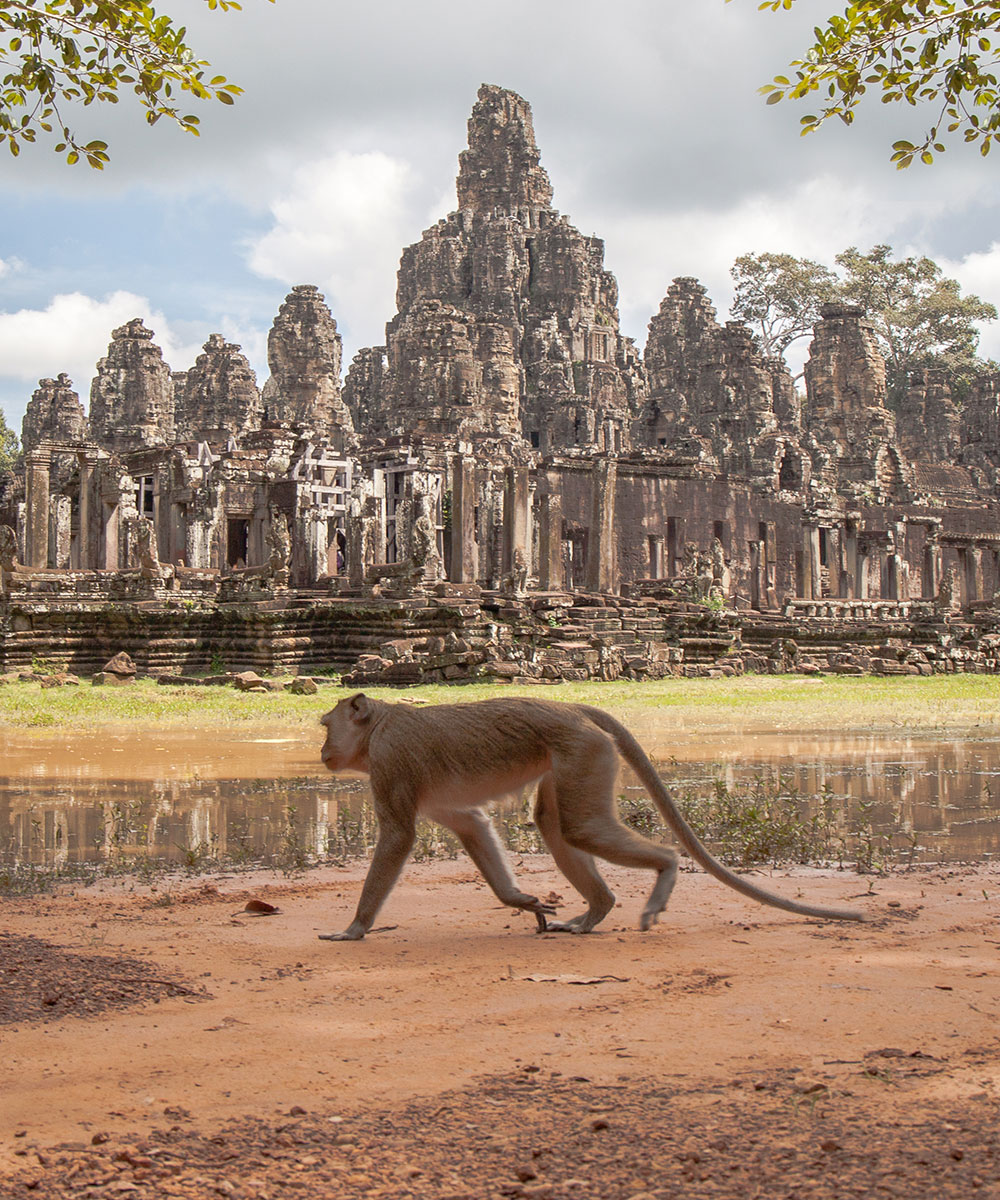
(189, 795)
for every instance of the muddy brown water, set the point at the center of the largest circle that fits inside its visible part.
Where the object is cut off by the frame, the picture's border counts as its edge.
(190, 796)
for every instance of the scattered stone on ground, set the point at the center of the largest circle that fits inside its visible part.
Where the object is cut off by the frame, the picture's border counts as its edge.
(41, 981)
(524, 1136)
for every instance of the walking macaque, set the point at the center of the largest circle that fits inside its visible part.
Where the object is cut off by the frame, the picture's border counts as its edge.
(447, 761)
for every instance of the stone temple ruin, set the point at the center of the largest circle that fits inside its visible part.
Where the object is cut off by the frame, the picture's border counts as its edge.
(507, 487)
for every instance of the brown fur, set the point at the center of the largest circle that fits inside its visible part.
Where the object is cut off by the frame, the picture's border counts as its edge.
(447, 761)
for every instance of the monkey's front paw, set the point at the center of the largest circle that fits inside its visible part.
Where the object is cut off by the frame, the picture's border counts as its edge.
(348, 935)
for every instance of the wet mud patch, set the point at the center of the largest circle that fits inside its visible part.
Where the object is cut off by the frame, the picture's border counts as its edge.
(41, 981)
(525, 1137)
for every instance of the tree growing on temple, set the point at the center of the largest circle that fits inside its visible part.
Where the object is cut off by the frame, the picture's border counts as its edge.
(10, 450)
(58, 54)
(919, 315)
(938, 53)
(779, 297)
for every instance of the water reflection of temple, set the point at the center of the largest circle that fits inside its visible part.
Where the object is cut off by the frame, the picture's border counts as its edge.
(946, 793)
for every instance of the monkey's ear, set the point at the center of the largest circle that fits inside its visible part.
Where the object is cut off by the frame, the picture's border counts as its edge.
(360, 708)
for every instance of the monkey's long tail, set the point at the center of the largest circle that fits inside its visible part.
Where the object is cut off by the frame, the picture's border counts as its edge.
(636, 758)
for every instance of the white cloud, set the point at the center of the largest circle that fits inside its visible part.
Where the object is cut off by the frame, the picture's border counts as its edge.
(979, 274)
(73, 332)
(340, 224)
(817, 219)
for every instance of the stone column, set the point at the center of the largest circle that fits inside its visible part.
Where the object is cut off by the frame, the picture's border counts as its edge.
(111, 522)
(769, 564)
(464, 551)
(356, 549)
(601, 574)
(897, 590)
(83, 548)
(833, 562)
(975, 573)
(932, 569)
(862, 575)
(812, 574)
(757, 579)
(371, 539)
(36, 531)
(852, 563)
(60, 533)
(550, 566)
(516, 517)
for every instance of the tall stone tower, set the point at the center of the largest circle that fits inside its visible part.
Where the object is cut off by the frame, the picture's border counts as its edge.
(54, 414)
(132, 395)
(710, 384)
(846, 405)
(218, 397)
(304, 353)
(507, 322)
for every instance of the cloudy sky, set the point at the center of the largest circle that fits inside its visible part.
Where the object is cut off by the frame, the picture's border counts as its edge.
(345, 145)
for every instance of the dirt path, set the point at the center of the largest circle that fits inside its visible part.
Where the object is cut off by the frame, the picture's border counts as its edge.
(190, 1049)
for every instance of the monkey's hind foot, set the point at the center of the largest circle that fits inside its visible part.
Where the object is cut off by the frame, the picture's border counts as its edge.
(350, 934)
(576, 925)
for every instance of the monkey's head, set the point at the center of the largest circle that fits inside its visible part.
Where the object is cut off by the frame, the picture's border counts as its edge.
(347, 728)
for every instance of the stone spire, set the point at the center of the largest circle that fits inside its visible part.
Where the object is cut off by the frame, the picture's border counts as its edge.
(930, 424)
(507, 321)
(304, 353)
(500, 170)
(710, 382)
(845, 380)
(54, 414)
(219, 395)
(132, 395)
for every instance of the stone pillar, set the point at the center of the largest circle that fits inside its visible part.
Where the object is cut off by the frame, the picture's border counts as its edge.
(111, 522)
(812, 574)
(36, 526)
(852, 563)
(550, 566)
(356, 549)
(464, 551)
(932, 569)
(975, 574)
(896, 589)
(60, 533)
(769, 564)
(516, 517)
(83, 549)
(373, 516)
(833, 562)
(601, 574)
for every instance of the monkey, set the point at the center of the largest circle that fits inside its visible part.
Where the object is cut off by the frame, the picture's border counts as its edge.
(448, 761)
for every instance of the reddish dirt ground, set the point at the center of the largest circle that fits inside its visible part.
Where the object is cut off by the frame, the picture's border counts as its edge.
(190, 1049)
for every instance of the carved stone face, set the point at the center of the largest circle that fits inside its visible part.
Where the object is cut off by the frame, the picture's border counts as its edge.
(8, 547)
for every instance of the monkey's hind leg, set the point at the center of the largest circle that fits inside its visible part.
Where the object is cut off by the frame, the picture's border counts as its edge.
(578, 866)
(584, 789)
(475, 831)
